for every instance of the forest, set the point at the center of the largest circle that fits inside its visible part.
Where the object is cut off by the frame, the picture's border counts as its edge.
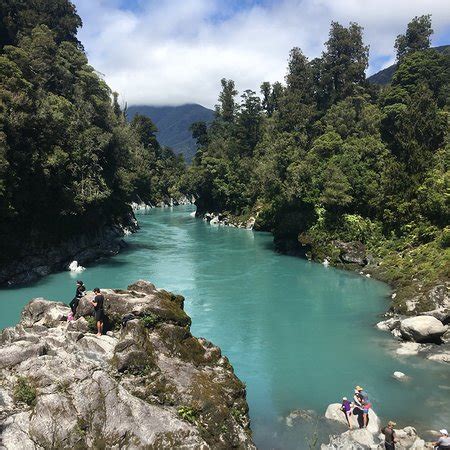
(69, 160)
(327, 156)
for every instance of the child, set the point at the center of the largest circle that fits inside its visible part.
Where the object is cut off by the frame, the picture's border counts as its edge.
(346, 408)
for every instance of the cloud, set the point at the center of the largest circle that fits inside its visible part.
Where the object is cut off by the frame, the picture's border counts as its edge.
(176, 51)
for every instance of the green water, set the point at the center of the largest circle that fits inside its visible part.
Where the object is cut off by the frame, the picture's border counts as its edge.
(299, 334)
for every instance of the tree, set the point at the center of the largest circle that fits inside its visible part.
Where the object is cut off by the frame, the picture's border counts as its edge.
(199, 132)
(343, 63)
(21, 16)
(226, 109)
(417, 36)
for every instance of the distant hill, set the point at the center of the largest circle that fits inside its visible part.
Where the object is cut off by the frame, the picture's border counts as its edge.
(384, 76)
(173, 123)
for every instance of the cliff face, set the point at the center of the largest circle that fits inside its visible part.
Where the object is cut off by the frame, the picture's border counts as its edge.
(148, 384)
(35, 260)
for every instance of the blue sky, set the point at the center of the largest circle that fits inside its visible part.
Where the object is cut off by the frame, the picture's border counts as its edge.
(176, 51)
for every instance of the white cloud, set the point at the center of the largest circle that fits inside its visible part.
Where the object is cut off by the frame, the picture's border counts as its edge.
(176, 51)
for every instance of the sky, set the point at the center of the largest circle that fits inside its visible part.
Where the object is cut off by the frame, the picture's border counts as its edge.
(171, 52)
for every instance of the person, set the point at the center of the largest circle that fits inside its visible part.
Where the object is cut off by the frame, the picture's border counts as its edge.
(346, 408)
(443, 443)
(78, 294)
(389, 436)
(98, 304)
(362, 400)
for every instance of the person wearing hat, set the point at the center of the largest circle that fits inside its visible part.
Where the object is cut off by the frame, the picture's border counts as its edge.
(389, 436)
(361, 410)
(78, 294)
(443, 443)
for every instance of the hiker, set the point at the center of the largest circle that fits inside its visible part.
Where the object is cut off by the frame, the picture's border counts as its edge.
(346, 408)
(362, 402)
(443, 443)
(80, 291)
(389, 436)
(99, 311)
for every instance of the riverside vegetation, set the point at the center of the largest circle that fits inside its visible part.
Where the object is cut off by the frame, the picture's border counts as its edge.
(338, 168)
(70, 164)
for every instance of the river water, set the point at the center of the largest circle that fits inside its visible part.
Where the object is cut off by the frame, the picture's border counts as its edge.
(299, 334)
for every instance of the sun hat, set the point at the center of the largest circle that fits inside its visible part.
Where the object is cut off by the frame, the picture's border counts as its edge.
(391, 423)
(443, 431)
(358, 388)
(344, 398)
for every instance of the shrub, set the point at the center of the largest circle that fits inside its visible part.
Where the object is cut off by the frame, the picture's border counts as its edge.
(92, 324)
(188, 413)
(24, 391)
(150, 320)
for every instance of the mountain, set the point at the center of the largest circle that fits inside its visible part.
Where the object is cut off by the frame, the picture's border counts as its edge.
(173, 124)
(384, 76)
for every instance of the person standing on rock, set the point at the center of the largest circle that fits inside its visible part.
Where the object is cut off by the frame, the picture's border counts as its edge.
(361, 400)
(346, 408)
(78, 294)
(443, 443)
(99, 311)
(389, 436)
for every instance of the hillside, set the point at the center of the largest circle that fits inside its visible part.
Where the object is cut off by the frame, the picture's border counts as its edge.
(384, 76)
(173, 124)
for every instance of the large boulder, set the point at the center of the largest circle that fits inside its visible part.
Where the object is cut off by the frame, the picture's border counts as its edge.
(422, 329)
(334, 412)
(359, 439)
(149, 384)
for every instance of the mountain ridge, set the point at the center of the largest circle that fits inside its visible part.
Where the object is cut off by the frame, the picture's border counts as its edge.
(173, 123)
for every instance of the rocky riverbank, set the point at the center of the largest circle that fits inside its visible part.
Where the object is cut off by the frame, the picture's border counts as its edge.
(148, 384)
(168, 202)
(36, 261)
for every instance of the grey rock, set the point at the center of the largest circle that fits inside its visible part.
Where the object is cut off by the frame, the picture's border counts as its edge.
(422, 329)
(127, 390)
(351, 252)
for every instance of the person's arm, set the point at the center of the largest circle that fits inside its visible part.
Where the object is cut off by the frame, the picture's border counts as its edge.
(394, 436)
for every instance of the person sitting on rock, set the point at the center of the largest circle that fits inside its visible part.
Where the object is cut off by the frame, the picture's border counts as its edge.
(346, 408)
(389, 436)
(98, 302)
(78, 294)
(443, 443)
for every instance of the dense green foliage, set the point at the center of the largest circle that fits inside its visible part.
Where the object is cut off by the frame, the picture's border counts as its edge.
(329, 156)
(69, 161)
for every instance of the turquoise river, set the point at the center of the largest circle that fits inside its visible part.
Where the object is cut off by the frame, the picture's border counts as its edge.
(299, 334)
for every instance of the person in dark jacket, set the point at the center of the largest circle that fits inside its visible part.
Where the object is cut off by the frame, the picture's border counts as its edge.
(389, 436)
(98, 304)
(78, 294)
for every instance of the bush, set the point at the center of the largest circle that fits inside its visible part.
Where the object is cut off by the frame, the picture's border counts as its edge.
(92, 323)
(188, 413)
(150, 320)
(25, 392)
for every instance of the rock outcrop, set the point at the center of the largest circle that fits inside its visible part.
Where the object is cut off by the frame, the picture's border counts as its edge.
(425, 335)
(370, 437)
(334, 412)
(148, 384)
(37, 261)
(230, 221)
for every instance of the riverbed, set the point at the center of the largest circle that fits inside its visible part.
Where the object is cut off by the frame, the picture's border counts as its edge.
(300, 335)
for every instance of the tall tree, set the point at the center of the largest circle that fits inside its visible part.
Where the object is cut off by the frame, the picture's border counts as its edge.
(227, 108)
(344, 62)
(417, 36)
